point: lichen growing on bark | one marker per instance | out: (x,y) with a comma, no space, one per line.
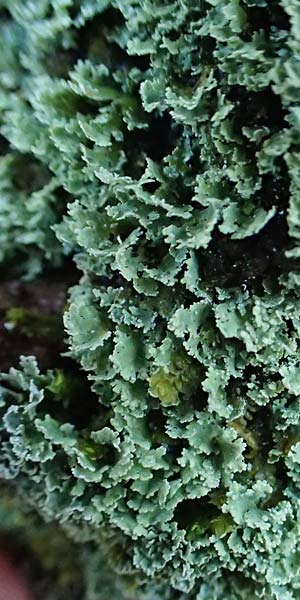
(153,145)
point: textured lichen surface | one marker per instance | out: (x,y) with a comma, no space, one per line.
(157,145)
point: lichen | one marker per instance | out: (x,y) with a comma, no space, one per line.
(156,144)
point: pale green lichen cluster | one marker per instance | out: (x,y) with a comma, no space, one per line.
(158,143)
